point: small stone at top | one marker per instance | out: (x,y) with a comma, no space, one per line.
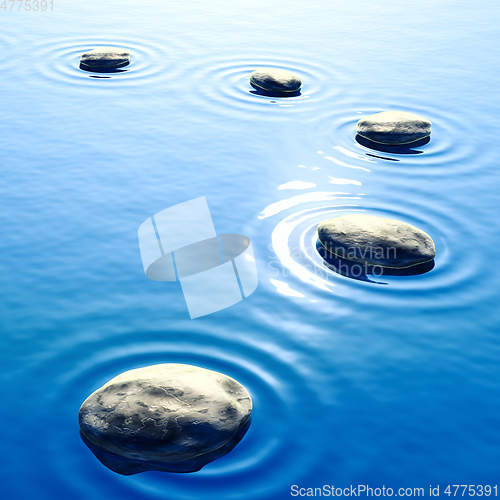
(275,80)
(105,58)
(394,128)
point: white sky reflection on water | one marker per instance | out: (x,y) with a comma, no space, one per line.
(342,164)
(335,180)
(285,289)
(296,185)
(284,249)
(353,155)
(279,206)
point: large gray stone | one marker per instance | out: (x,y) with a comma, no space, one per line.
(105,58)
(394,127)
(275,80)
(376,241)
(167,417)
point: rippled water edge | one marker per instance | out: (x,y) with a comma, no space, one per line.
(274,445)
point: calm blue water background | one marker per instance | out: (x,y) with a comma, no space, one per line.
(395,382)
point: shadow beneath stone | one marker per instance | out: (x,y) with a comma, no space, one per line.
(267,93)
(361,272)
(403,149)
(128,466)
(89,69)
(382,157)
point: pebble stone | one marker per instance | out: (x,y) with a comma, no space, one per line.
(168,417)
(275,80)
(371,240)
(394,128)
(105,58)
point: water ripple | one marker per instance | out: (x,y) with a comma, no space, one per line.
(449,151)
(458,267)
(273,447)
(225,86)
(60,61)
(6,46)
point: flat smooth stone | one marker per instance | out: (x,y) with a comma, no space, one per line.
(168,417)
(371,240)
(105,58)
(394,127)
(275,80)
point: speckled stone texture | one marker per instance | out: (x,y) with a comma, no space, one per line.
(168,417)
(105,58)
(275,80)
(377,241)
(394,128)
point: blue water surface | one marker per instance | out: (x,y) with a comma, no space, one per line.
(393,381)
